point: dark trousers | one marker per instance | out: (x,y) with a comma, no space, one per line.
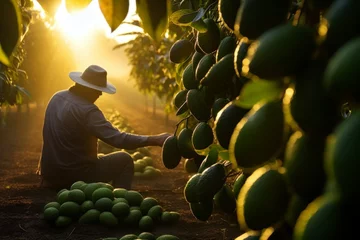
(116,168)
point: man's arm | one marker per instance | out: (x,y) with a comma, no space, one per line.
(104,130)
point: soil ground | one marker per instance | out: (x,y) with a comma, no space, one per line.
(22,198)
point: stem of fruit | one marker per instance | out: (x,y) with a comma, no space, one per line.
(177,124)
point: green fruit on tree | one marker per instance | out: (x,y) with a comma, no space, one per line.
(202,210)
(341,78)
(209,41)
(210,182)
(218,105)
(195,60)
(226,121)
(259,136)
(227,12)
(255,17)
(296,205)
(210,159)
(191,189)
(190,166)
(180,51)
(184,143)
(180,98)
(171,155)
(273,55)
(238,184)
(188,78)
(227,46)
(205,63)
(225,199)
(304,164)
(263,199)
(197,104)
(202,136)
(240,54)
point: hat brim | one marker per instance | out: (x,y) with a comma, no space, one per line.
(76,77)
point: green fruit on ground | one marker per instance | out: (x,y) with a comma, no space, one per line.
(274,53)
(146,223)
(151,173)
(184,143)
(238,184)
(209,40)
(52,204)
(90,188)
(227,46)
(70,209)
(263,126)
(149,161)
(190,166)
(304,164)
(63,221)
(170,153)
(198,106)
(102,193)
(106,185)
(191,189)
(82,187)
(175,217)
(139,167)
(296,205)
(76,195)
(202,210)
(129,237)
(220,74)
(108,219)
(323,115)
(226,121)
(263,199)
(168,237)
(91,216)
(63,197)
(145,151)
(188,78)
(137,155)
(180,98)
(250,235)
(181,50)
(340,24)
(218,105)
(59,192)
(202,136)
(117,200)
(77,185)
(155,212)
(323,218)
(147,236)
(205,63)
(166,217)
(134,198)
(196,59)
(135,208)
(210,159)
(119,192)
(103,204)
(341,78)
(240,53)
(343,155)
(256,17)
(51,214)
(225,199)
(120,209)
(227,12)
(133,218)
(210,182)
(148,203)
(86,206)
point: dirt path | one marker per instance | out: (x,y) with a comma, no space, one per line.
(22,200)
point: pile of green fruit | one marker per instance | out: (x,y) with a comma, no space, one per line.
(101,203)
(144,236)
(143,166)
(273,87)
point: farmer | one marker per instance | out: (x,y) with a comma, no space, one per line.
(72,126)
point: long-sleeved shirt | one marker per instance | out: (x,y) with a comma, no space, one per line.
(72,127)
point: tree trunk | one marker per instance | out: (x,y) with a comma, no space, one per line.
(154,106)
(146,103)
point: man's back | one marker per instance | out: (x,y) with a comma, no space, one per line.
(67,146)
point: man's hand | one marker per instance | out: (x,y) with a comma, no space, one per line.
(158,140)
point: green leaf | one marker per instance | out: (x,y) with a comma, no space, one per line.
(114,11)
(154,16)
(76,5)
(183,17)
(259,90)
(10,29)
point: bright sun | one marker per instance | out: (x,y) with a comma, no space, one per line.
(79,25)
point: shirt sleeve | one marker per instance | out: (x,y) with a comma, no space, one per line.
(100,127)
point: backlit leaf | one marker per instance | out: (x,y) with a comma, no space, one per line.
(114,11)
(154,16)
